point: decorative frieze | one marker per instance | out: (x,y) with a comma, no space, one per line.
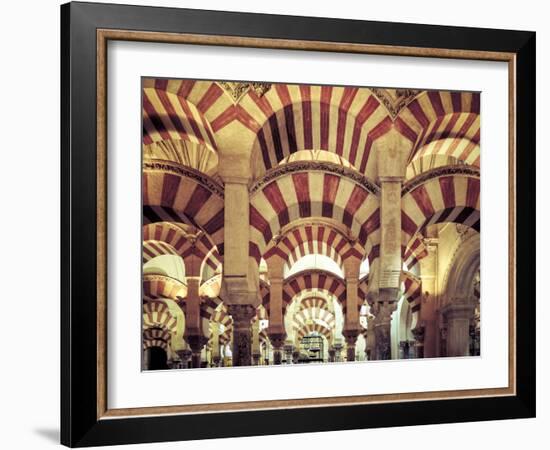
(439,172)
(238,89)
(171,167)
(319,166)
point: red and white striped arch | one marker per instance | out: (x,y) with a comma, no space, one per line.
(439,115)
(315,239)
(162,238)
(311,316)
(413,253)
(309,280)
(442,195)
(411,286)
(314,302)
(173,193)
(162,286)
(156,337)
(153,248)
(148,343)
(342,120)
(314,327)
(298,191)
(157,315)
(212,102)
(450,151)
(168,114)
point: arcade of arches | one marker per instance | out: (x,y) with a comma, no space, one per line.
(290,224)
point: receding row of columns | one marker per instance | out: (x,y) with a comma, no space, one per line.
(456,324)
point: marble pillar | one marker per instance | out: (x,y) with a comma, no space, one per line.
(418,333)
(351,340)
(338,352)
(458,317)
(382,328)
(276,330)
(242,316)
(196,344)
(277,342)
(193,330)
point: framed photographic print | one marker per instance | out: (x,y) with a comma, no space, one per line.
(276,224)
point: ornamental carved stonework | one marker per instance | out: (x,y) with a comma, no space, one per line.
(241,315)
(439,172)
(303,166)
(395,100)
(169,166)
(238,89)
(277,340)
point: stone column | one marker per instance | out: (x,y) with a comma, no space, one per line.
(332,355)
(392,151)
(215,339)
(382,328)
(389,274)
(256,353)
(371,338)
(242,315)
(351,339)
(185,357)
(295,357)
(193,330)
(458,317)
(418,333)
(337,352)
(428,307)
(288,353)
(240,277)
(276,330)
(351,325)
(196,344)
(236,268)
(277,342)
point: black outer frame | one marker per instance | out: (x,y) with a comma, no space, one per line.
(79,423)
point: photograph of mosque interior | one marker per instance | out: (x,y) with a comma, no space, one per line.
(294,224)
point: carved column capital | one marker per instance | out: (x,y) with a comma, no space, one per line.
(350,336)
(277,340)
(458,310)
(196,342)
(242,314)
(383,312)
